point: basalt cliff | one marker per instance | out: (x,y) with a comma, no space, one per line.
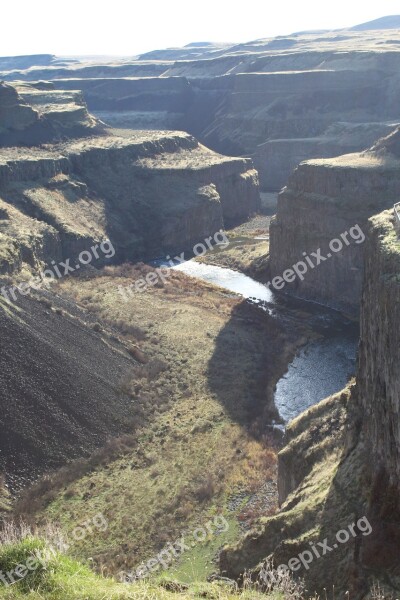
(150,193)
(280,100)
(323,200)
(340,462)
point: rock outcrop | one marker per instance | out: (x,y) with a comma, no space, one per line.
(151,193)
(340,465)
(31,115)
(324,93)
(14,114)
(277,158)
(379,353)
(323,200)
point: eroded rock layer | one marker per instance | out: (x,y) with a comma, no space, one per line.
(33,114)
(323,200)
(151,193)
(280,100)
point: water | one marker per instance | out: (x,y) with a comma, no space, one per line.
(322,367)
(228,279)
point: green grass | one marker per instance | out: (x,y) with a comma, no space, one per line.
(198,563)
(63,578)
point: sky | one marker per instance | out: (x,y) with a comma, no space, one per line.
(120,27)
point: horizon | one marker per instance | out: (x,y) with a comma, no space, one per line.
(85,32)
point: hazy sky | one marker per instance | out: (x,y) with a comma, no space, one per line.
(127,28)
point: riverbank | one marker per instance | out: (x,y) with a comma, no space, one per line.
(327,359)
(248,250)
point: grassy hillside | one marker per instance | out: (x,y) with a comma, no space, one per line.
(58,577)
(202,386)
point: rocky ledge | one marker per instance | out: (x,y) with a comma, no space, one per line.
(32,114)
(151,193)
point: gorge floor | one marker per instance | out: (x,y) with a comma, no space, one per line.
(201,387)
(201,393)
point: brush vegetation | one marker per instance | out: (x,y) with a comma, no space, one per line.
(204,365)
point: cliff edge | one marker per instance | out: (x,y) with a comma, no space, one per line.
(339,468)
(323,201)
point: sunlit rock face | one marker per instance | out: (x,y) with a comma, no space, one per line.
(324,199)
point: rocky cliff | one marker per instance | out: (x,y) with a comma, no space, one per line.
(33,114)
(378,387)
(280,100)
(149,192)
(340,465)
(323,200)
(275,159)
(379,353)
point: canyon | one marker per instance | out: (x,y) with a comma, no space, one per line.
(279,100)
(165,401)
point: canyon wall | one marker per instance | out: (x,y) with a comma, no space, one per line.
(151,193)
(275,159)
(340,463)
(379,353)
(323,199)
(280,100)
(378,387)
(321,112)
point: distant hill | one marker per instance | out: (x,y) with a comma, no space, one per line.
(390,22)
(199,44)
(25,62)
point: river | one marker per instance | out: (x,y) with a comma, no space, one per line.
(322,367)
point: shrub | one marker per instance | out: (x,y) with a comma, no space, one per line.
(137,354)
(206,490)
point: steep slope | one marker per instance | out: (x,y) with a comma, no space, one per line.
(341,463)
(378,384)
(323,200)
(149,192)
(61,386)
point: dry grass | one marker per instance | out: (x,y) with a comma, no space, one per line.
(4,495)
(198,395)
(245,253)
